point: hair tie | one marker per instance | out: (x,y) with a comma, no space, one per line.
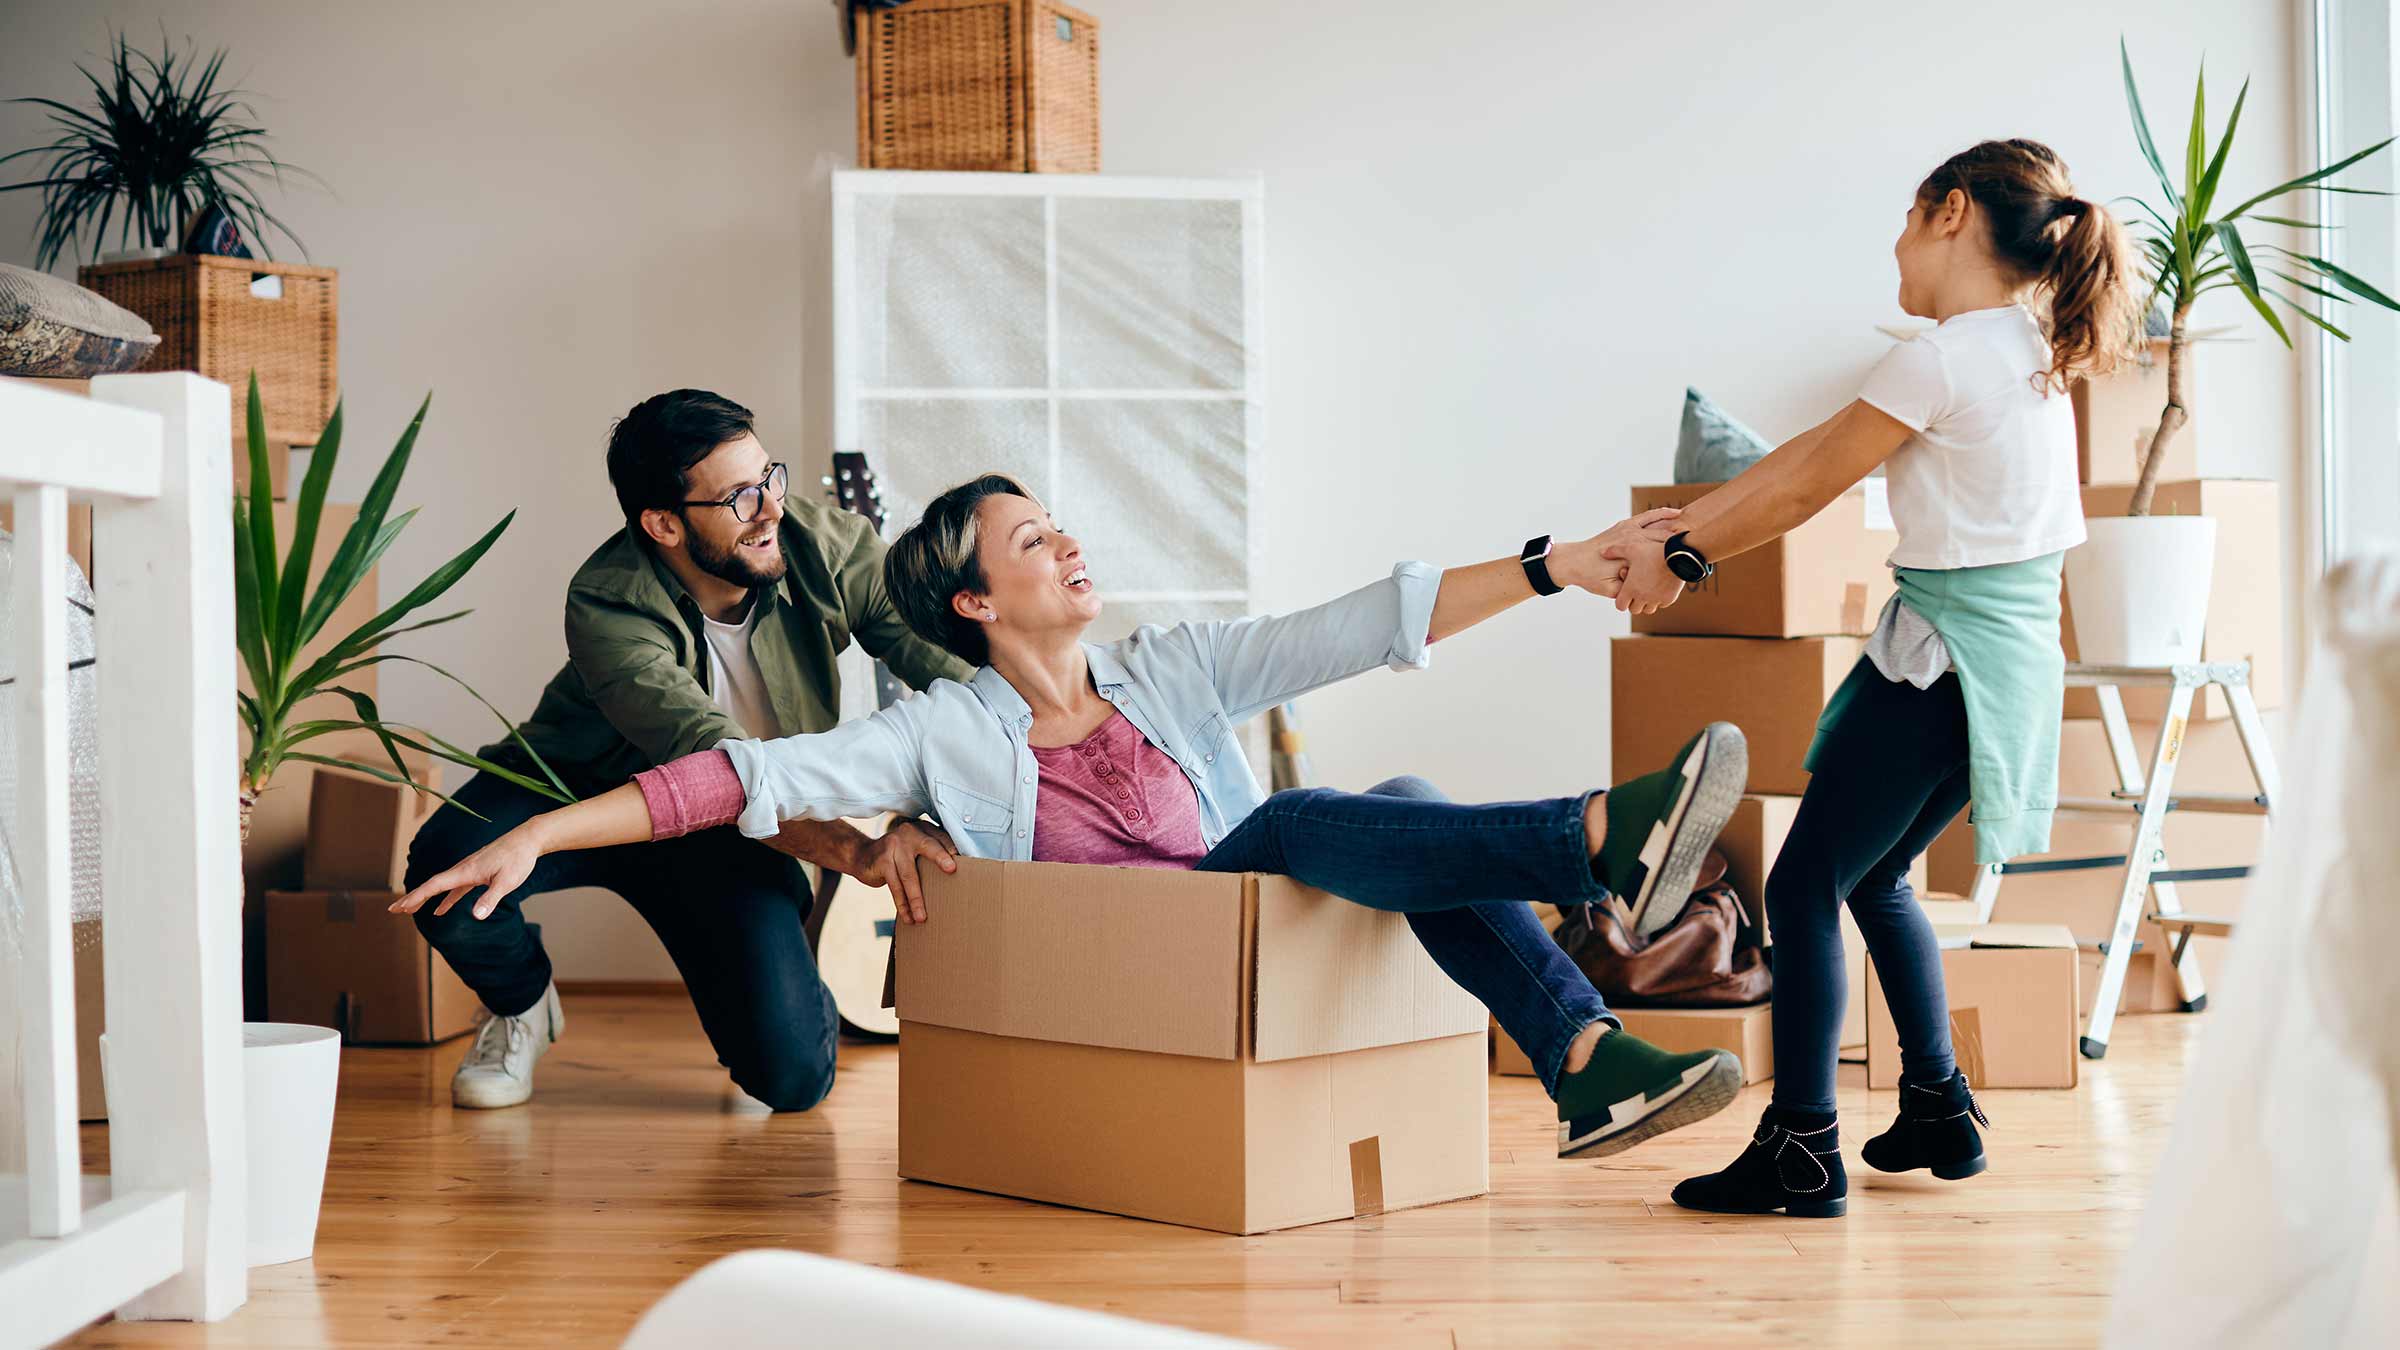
(2068,206)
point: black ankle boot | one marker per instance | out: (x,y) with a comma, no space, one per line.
(1796,1171)
(1936,1129)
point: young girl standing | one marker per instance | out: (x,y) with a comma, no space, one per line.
(1958,695)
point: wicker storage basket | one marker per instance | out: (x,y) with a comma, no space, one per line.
(209,321)
(993,85)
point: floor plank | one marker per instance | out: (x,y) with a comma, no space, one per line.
(638,1164)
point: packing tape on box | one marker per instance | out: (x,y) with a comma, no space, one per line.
(1366,1176)
(1966,1042)
(1854,607)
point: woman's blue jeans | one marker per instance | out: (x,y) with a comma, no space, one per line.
(1462,875)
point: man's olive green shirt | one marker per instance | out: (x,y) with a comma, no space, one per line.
(636,690)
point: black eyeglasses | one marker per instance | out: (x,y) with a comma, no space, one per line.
(746,503)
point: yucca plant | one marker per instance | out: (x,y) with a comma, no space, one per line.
(162,142)
(279,610)
(2190,252)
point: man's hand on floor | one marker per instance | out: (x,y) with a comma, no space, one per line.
(892,862)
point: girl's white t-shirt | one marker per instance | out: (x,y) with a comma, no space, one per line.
(1990,475)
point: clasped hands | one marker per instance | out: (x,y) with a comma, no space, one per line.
(1627,562)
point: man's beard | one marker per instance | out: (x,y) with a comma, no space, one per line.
(729,564)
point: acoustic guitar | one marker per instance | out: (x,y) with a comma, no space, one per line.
(850,926)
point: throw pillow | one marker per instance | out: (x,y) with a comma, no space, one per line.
(1712,446)
(51,326)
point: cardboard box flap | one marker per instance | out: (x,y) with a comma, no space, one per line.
(1333,976)
(1128,958)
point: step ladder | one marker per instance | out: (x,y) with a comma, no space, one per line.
(2147,891)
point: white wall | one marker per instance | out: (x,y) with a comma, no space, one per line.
(1501,241)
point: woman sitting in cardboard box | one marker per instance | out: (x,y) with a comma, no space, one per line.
(1123,754)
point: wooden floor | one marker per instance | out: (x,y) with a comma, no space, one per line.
(637,1164)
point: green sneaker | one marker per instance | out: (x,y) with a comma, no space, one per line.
(1632,1091)
(1661,826)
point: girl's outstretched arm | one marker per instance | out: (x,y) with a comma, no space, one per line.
(1771,497)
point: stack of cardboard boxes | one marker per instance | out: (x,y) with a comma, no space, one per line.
(336,955)
(1762,644)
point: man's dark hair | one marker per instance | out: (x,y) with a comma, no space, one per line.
(934,560)
(651,447)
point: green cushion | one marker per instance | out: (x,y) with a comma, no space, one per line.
(1712,446)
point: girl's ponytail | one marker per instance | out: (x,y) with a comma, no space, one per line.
(2072,249)
(2090,281)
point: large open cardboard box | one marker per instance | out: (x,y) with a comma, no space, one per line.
(2013,1002)
(1825,578)
(1662,690)
(1228,1051)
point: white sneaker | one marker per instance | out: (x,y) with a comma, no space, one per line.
(498,1069)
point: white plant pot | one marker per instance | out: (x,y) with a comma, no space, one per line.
(2139,589)
(289,1074)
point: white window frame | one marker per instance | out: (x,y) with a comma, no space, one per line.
(2351,391)
(850,394)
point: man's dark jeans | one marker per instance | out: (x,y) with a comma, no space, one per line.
(728,909)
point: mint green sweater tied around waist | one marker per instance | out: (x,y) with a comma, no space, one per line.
(2000,626)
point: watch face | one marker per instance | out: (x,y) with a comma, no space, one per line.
(1685,566)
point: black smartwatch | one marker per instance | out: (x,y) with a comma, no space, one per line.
(1687,563)
(1536,559)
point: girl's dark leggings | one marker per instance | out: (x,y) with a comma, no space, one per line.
(1891,775)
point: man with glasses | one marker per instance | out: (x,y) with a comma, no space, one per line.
(714,615)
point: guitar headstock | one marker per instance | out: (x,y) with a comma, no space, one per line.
(853,488)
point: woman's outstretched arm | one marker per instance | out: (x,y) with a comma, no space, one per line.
(1472,594)
(618,816)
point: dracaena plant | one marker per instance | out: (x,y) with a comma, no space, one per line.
(280,610)
(2191,248)
(160,142)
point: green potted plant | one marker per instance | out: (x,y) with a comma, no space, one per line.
(2141,583)
(160,143)
(280,610)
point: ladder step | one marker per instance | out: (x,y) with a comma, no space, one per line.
(2220,803)
(2194,923)
(2018,869)
(2104,806)
(2172,874)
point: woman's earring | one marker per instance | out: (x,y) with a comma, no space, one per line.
(988,616)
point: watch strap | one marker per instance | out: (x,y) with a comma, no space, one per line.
(1536,560)
(1686,562)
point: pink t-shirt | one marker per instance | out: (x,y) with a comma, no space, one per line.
(1116,800)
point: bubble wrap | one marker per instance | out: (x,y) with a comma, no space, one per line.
(83,749)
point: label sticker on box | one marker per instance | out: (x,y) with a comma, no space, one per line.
(1879,503)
